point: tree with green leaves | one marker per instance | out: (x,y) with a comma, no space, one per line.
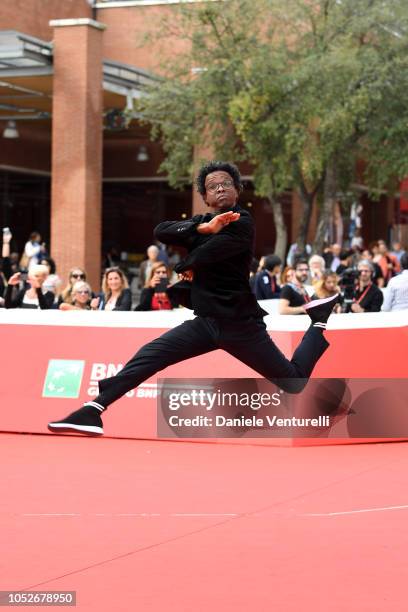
(300,89)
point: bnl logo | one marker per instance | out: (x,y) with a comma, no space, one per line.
(63,378)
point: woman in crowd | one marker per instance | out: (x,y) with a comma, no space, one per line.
(326,287)
(75,274)
(154,295)
(287,276)
(30,295)
(388,263)
(115,293)
(81,295)
(53,282)
(316,269)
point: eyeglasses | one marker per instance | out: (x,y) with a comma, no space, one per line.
(78,276)
(85,291)
(213,187)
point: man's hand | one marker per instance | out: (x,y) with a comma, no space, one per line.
(35,282)
(188,275)
(154,282)
(15,279)
(357,308)
(218,222)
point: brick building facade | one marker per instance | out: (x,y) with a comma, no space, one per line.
(84,187)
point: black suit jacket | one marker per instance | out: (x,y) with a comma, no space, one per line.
(220,263)
(124,301)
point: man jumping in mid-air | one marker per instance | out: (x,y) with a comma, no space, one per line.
(220,245)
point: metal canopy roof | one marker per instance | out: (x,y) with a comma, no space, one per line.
(22,55)
(26,56)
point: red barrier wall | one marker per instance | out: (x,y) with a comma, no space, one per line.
(27,350)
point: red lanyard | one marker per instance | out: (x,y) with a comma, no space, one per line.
(301,291)
(305,294)
(364,293)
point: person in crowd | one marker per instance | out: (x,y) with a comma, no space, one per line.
(53,282)
(396,294)
(13,264)
(173,255)
(5,268)
(294,296)
(316,268)
(34,250)
(397,250)
(163,255)
(345,261)
(112,257)
(326,287)
(367,296)
(75,274)
(287,276)
(296,253)
(377,274)
(30,295)
(81,295)
(266,286)
(331,257)
(154,295)
(357,242)
(388,263)
(253,270)
(115,293)
(3,285)
(146,265)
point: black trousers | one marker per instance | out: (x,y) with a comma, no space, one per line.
(247,340)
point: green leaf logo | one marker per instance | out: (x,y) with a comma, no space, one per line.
(63,378)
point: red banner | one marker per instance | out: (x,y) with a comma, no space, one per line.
(50,370)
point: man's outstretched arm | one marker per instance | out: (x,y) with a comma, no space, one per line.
(177,232)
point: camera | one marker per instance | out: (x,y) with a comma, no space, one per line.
(348,280)
(162,286)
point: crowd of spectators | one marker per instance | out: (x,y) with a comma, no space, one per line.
(31,281)
(367,279)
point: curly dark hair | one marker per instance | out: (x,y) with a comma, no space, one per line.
(51,263)
(216,166)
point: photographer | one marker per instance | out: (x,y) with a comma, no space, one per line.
(367,296)
(154,296)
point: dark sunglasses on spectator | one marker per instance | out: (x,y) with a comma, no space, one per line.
(77,275)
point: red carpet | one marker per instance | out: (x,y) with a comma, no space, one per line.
(137,525)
